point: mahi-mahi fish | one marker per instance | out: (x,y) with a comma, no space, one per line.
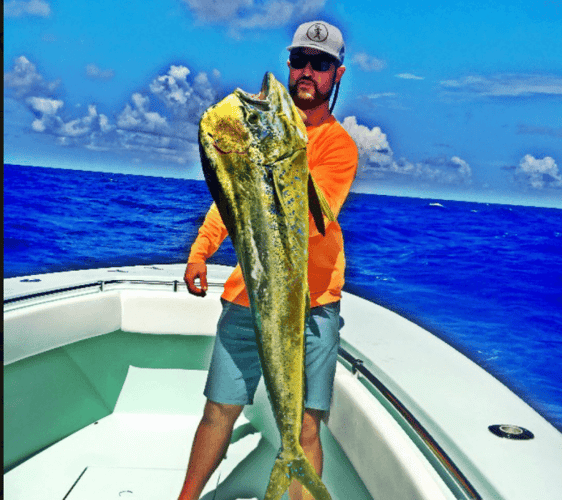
(253,152)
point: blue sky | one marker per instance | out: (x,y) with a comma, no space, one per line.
(450,100)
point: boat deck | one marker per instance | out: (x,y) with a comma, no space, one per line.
(141,450)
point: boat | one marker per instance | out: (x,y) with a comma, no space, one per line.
(103,378)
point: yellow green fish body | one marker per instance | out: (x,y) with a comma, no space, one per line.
(253,151)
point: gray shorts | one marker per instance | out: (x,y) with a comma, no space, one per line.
(235,369)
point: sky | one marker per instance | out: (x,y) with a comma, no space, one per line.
(447,100)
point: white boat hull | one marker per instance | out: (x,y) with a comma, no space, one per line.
(421,433)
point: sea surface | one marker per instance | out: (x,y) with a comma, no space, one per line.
(486,278)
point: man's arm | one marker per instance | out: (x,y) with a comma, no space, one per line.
(210,236)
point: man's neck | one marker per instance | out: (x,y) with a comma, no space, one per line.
(317,116)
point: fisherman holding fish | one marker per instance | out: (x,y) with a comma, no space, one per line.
(315,70)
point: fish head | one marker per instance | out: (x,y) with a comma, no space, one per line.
(266,126)
(274,121)
(246,137)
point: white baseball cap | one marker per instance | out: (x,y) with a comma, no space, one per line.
(321,36)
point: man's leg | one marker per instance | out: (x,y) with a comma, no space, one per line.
(310,442)
(234,373)
(209,446)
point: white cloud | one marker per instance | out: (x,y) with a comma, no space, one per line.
(376,160)
(105,126)
(367,62)
(381,95)
(172,88)
(170,138)
(80,126)
(20,8)
(168,135)
(371,143)
(94,72)
(463,169)
(539,173)
(46,110)
(506,85)
(186,101)
(178,72)
(247,14)
(139,118)
(39,125)
(25,80)
(44,105)
(409,76)
(48,121)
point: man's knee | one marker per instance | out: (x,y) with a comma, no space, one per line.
(220,415)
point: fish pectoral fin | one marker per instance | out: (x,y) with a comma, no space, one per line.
(284,471)
(318,205)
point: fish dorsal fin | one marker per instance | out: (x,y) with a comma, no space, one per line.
(318,206)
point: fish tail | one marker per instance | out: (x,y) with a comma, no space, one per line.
(285,470)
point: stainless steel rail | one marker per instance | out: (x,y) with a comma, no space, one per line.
(454,473)
(100,286)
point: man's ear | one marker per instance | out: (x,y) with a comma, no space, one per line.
(339,73)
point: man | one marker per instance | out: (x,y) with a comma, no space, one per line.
(315,68)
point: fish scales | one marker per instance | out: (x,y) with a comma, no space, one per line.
(253,152)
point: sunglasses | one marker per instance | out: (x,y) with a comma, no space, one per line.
(318,62)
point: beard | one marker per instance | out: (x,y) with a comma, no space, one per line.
(308,97)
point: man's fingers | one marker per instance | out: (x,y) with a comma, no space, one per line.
(203,281)
(194,272)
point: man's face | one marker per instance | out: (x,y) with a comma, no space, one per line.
(311,87)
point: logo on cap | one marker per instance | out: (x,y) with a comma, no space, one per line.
(317,32)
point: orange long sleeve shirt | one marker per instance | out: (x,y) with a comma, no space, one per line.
(332,160)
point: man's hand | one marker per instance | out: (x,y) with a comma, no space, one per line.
(196,270)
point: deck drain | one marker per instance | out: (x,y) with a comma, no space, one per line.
(511,432)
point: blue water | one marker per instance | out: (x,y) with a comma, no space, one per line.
(485,278)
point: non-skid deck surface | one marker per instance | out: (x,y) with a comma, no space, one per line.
(141,450)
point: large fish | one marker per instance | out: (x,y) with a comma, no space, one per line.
(253,151)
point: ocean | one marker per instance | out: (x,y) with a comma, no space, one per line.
(486,278)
